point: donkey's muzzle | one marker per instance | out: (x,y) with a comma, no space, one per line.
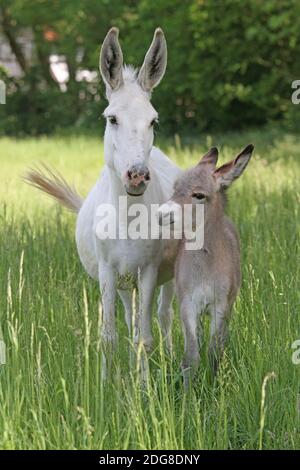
(136,180)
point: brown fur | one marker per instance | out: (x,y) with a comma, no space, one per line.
(208,278)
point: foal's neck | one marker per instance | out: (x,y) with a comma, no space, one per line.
(214,221)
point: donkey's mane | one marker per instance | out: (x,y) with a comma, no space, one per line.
(129,74)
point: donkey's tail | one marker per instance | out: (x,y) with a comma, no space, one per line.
(55,185)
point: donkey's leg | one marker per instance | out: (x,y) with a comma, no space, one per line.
(218,334)
(131,317)
(108,292)
(148,279)
(165,312)
(189,318)
(126,297)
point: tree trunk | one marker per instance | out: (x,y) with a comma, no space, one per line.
(9,33)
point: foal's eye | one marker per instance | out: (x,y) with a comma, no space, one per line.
(113,120)
(199,196)
(153,122)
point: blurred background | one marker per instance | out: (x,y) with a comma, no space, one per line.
(231,63)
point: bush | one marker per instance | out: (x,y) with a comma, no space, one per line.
(47,110)
(230,63)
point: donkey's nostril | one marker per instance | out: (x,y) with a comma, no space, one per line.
(138,174)
(133,174)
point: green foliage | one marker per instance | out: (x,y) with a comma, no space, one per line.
(230,63)
(248,56)
(45,111)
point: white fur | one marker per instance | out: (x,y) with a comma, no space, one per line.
(119,264)
(105,260)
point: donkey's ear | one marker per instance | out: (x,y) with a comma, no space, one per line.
(211,157)
(227,173)
(154,66)
(111,60)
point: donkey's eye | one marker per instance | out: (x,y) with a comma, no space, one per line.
(113,120)
(199,196)
(153,122)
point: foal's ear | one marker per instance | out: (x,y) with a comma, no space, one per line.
(111,61)
(211,157)
(230,171)
(154,66)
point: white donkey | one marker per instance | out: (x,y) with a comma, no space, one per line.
(134,168)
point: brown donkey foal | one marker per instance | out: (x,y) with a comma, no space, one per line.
(207,278)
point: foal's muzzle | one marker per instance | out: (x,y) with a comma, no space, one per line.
(136,179)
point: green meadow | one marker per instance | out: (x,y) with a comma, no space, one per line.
(51,392)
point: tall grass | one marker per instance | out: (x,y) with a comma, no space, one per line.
(51,393)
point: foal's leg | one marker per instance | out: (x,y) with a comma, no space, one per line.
(218,334)
(189,318)
(108,292)
(165,312)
